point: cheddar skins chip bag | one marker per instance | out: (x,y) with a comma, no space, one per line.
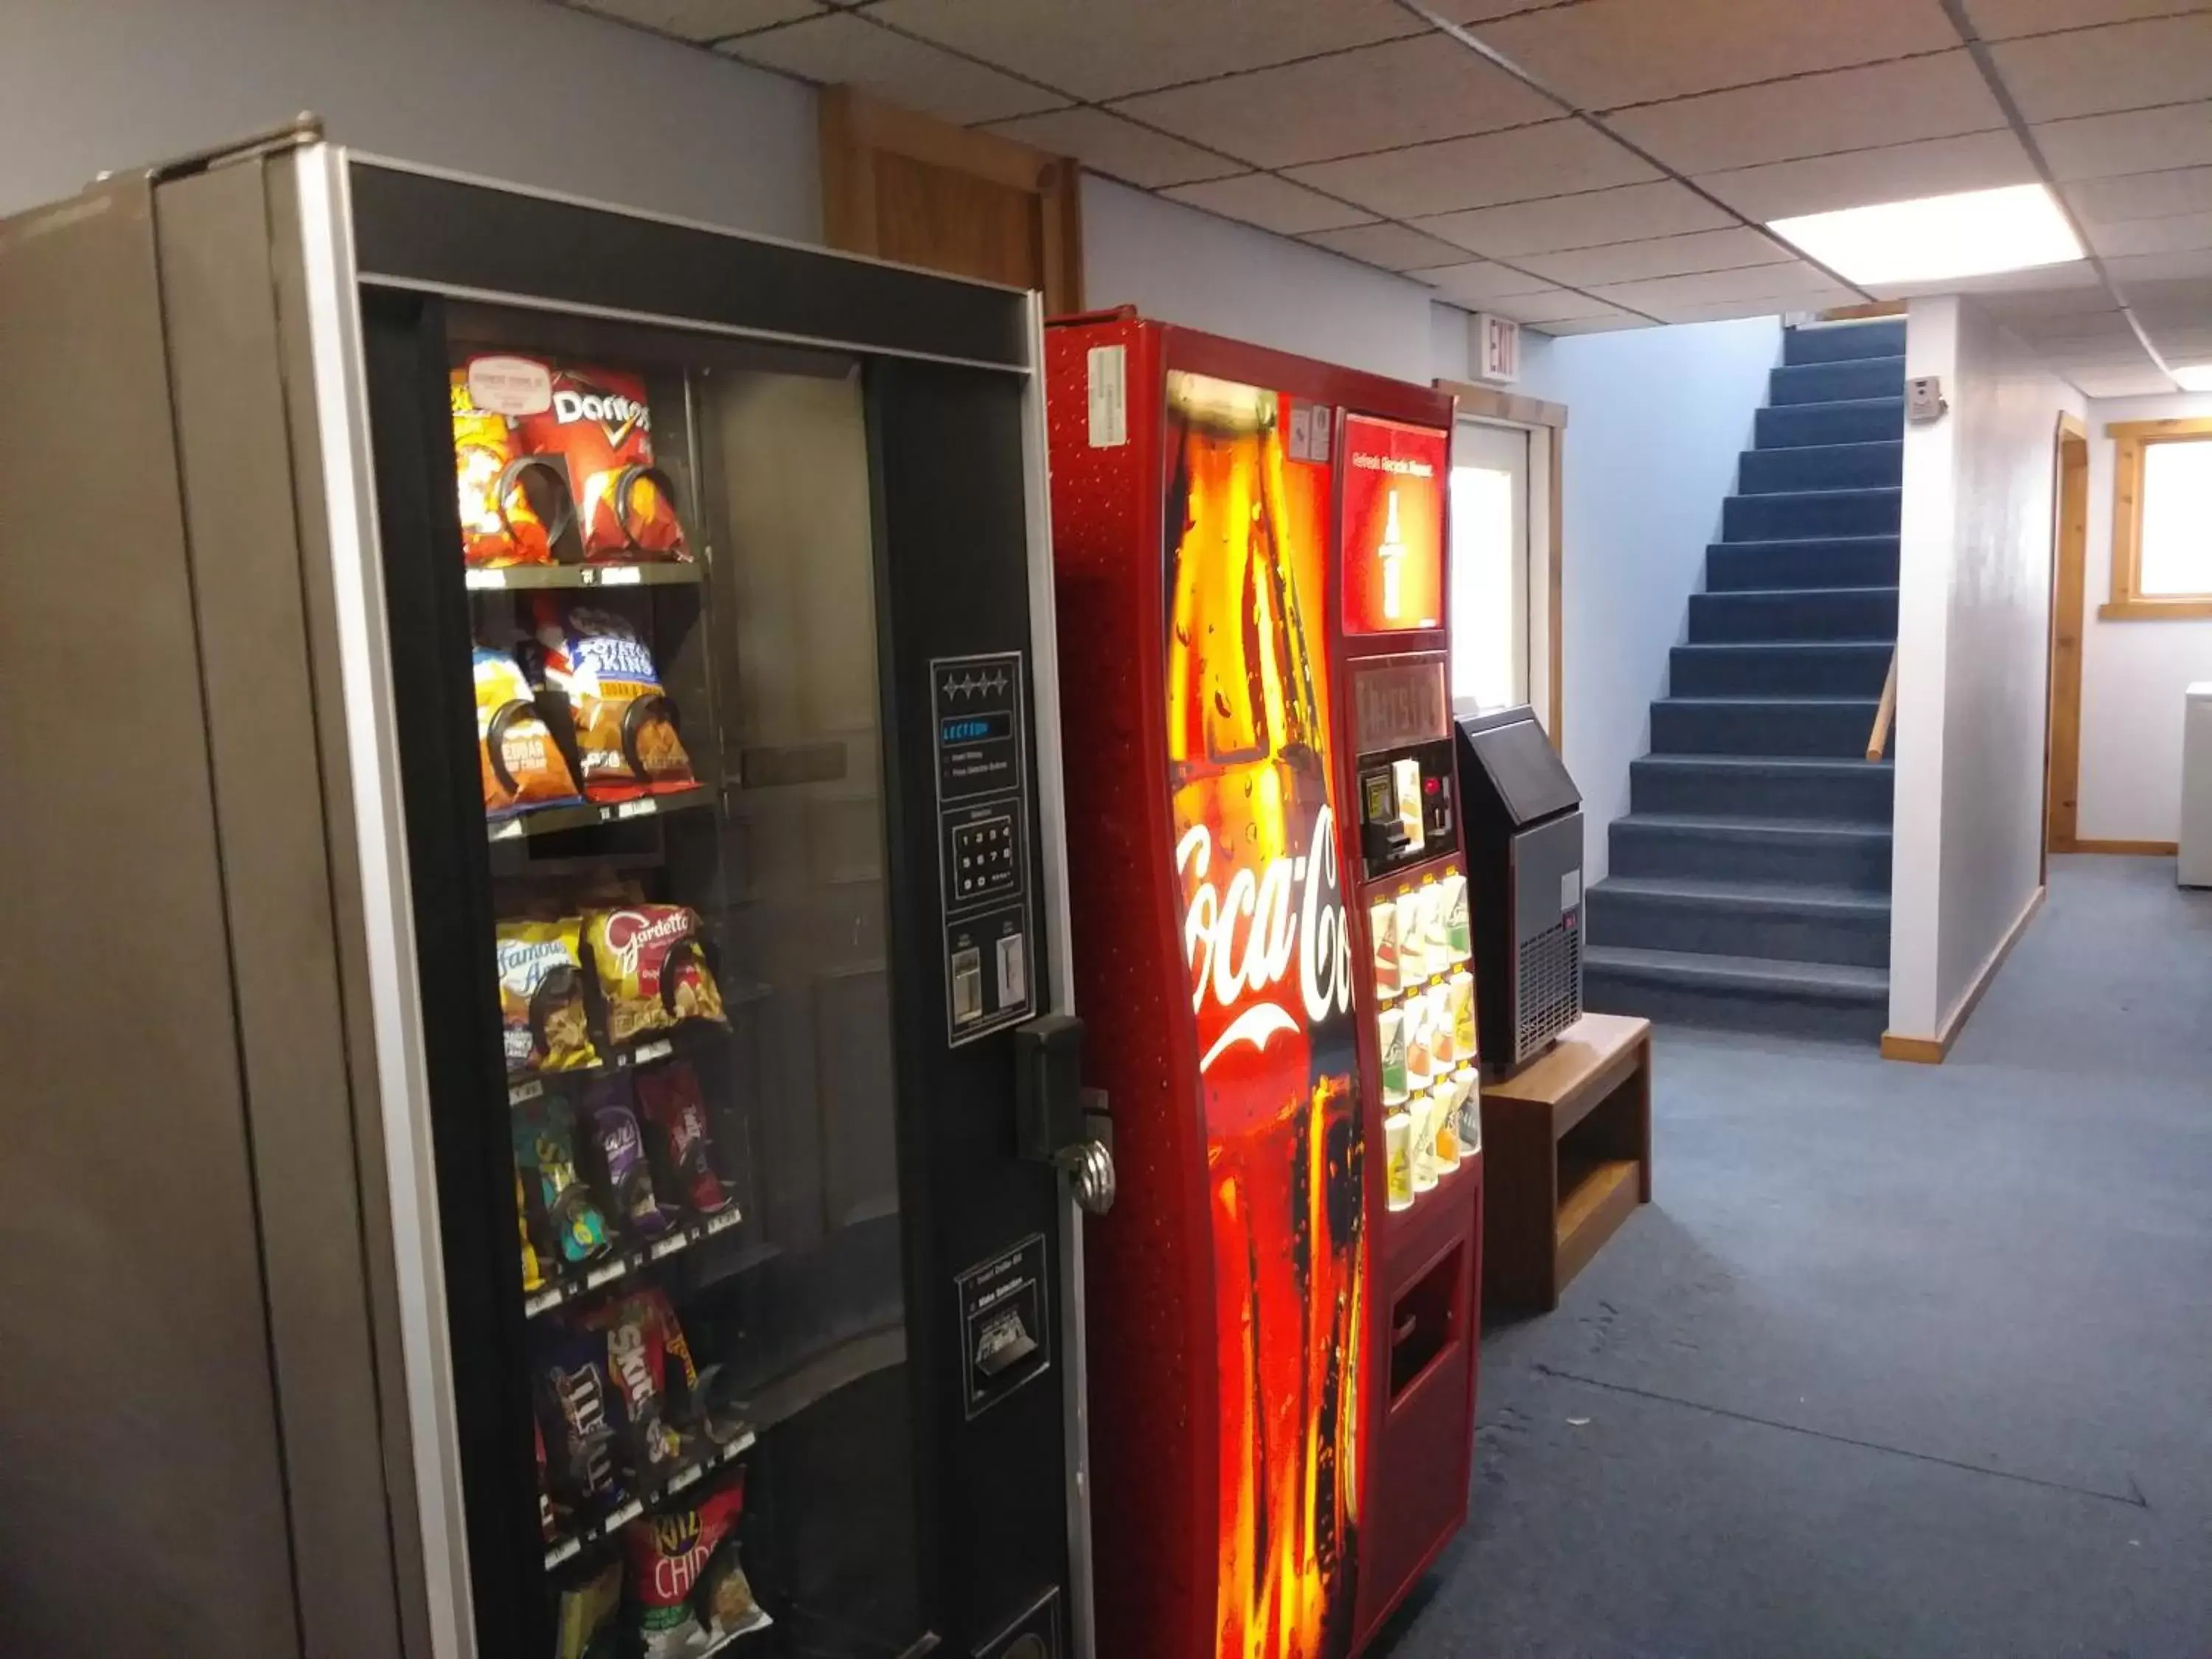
(651,968)
(626,735)
(544,1023)
(523,766)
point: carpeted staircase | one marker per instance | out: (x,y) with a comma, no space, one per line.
(1750,880)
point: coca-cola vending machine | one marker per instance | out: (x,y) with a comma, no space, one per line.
(1270,897)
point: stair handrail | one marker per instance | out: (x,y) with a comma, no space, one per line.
(1885,712)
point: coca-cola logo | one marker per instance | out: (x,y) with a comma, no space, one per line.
(1242,941)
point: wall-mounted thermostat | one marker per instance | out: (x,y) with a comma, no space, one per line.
(1924,398)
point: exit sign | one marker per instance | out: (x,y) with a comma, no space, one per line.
(1496,348)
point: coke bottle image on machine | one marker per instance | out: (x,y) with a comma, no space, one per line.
(1270,986)
(1281,1365)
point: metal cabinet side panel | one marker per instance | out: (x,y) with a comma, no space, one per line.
(227,380)
(136,1400)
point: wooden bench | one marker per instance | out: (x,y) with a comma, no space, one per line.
(1566,1146)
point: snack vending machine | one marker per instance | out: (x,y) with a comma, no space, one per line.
(576,746)
(1267,876)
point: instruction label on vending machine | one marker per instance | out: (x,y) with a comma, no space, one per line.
(1004,1340)
(980,707)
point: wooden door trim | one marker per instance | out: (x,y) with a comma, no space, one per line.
(855,128)
(2069,571)
(1485,403)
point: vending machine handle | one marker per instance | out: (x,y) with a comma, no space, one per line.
(1056,1120)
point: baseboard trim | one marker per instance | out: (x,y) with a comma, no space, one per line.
(1932,1051)
(2154,849)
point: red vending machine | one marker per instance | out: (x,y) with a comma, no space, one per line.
(1270,903)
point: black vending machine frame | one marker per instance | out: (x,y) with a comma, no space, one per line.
(946,368)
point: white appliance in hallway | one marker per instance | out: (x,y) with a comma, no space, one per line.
(1489,565)
(2194,867)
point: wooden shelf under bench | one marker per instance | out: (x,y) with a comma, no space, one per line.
(1566,1143)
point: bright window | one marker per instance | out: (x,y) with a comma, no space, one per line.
(2161,519)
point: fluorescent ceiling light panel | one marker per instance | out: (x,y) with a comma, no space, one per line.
(1937,237)
(2195,377)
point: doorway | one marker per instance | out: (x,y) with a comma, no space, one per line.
(1489,609)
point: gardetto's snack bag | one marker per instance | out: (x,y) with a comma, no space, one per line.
(653,969)
(601,426)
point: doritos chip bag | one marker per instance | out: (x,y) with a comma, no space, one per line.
(544,1025)
(651,968)
(600,424)
(626,736)
(515,505)
(523,766)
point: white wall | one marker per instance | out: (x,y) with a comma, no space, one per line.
(1974,630)
(2132,672)
(1180,265)
(511,89)
(1655,419)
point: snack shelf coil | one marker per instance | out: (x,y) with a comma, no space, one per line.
(516,578)
(622,1265)
(573,1543)
(547,820)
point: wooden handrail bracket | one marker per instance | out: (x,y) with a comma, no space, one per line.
(1885,713)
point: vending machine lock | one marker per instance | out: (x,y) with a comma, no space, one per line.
(1048,1086)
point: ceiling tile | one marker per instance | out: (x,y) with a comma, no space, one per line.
(842,49)
(1272,203)
(701,20)
(2128,66)
(2130,269)
(1555,159)
(1379,97)
(1392,247)
(1933,97)
(2143,195)
(2140,141)
(1612,324)
(1480,282)
(1606,53)
(2000,20)
(1589,220)
(2183,300)
(1559,306)
(1723,310)
(1663,294)
(1895,172)
(1120,149)
(2172,234)
(1663,256)
(1101,51)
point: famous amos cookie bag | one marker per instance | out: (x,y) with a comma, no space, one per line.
(521,762)
(517,506)
(653,969)
(601,425)
(626,738)
(545,1026)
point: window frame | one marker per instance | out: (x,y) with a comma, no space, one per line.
(2129,603)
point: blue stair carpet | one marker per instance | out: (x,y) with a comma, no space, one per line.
(1750,880)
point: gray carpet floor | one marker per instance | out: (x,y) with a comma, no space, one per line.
(1901,1360)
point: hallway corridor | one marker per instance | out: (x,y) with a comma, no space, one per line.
(1901,1360)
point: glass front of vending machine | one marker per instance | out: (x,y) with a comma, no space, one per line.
(707,571)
